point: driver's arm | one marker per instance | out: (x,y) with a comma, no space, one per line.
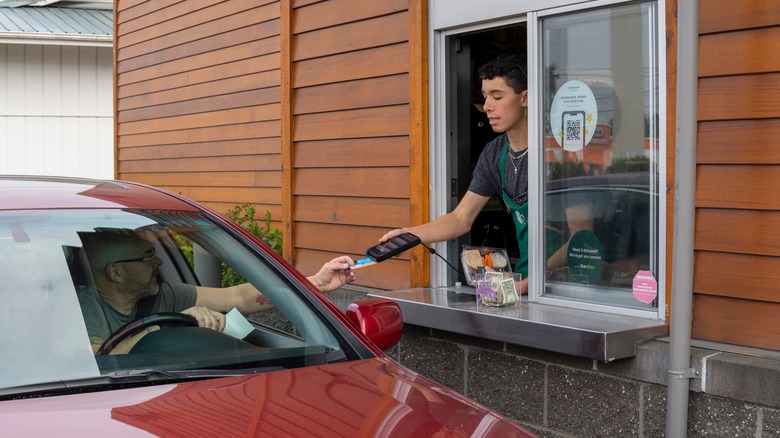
(243,297)
(123,347)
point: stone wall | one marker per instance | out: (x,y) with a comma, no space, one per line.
(735,395)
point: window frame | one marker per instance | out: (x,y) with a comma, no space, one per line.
(440,167)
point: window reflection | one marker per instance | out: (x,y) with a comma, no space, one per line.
(600,153)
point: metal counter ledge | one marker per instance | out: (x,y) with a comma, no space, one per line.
(581,333)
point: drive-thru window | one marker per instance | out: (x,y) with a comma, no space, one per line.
(596,163)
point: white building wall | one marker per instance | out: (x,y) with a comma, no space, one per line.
(56,110)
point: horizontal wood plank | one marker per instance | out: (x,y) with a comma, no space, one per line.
(352,240)
(301,3)
(362,93)
(247,147)
(206,164)
(196,26)
(334,12)
(748,277)
(739,97)
(358,152)
(738,186)
(748,52)
(227,101)
(377,182)
(235,36)
(185,23)
(381,61)
(365,34)
(384,214)
(128,10)
(726,15)
(389,121)
(266,66)
(738,231)
(215,118)
(223,207)
(269,129)
(240,84)
(256,48)
(742,141)
(258,196)
(213,178)
(391,274)
(739,322)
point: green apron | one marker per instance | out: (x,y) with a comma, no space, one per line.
(519,215)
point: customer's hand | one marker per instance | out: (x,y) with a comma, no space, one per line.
(334,274)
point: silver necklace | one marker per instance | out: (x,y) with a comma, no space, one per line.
(512,158)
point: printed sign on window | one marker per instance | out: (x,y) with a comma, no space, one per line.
(573,115)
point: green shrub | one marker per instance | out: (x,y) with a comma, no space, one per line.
(244,216)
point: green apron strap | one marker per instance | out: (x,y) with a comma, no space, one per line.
(519,215)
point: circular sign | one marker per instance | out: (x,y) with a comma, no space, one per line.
(573,115)
(586,257)
(645,287)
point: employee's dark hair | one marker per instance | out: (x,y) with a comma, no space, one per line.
(512,68)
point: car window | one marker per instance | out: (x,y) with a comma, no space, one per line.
(48,277)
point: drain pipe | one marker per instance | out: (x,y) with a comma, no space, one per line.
(680,371)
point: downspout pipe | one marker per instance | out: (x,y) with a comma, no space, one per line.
(680,371)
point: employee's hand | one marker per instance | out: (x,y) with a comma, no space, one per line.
(522,286)
(206,317)
(390,234)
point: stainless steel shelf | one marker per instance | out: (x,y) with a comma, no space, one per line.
(581,333)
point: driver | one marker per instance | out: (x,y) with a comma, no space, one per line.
(124,268)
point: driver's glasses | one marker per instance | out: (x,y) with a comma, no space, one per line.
(146,258)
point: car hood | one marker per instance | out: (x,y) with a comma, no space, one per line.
(373,397)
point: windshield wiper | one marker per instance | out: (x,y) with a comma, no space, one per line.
(123,377)
(150,374)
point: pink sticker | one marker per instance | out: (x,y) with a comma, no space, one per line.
(645,287)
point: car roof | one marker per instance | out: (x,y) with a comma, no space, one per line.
(45,192)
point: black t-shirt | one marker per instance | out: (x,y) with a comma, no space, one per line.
(486,180)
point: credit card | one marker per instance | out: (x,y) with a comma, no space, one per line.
(362,263)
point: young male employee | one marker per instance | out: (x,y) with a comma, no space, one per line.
(502,168)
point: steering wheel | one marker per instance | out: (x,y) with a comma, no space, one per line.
(163,319)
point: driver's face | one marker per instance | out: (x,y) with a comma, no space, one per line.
(141,268)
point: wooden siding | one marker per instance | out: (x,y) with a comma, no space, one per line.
(350,132)
(301,107)
(198,99)
(737,239)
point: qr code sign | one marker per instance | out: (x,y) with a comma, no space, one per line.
(573,129)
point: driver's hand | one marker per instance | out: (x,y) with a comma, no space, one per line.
(207,318)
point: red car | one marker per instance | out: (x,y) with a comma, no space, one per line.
(300,367)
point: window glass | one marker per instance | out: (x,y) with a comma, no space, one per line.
(52,279)
(600,158)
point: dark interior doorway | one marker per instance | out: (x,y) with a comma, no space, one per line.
(470,131)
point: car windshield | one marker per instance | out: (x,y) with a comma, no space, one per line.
(52,298)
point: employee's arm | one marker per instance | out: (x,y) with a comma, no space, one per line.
(454,224)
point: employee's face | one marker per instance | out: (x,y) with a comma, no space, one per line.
(503,106)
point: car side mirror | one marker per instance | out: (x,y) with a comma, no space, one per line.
(379,319)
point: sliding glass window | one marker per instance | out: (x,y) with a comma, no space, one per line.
(601,160)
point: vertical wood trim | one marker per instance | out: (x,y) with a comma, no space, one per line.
(671,129)
(114,88)
(418,133)
(285,39)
